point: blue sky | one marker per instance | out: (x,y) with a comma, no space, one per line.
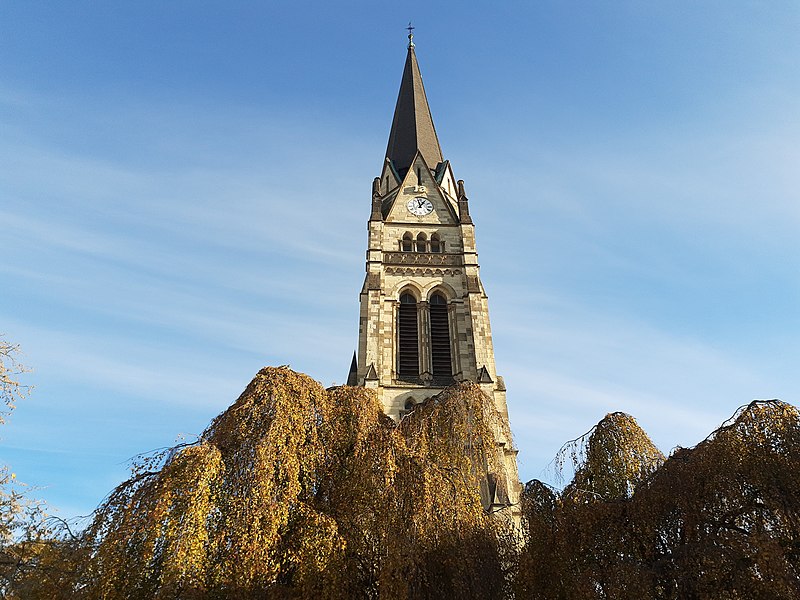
(179,180)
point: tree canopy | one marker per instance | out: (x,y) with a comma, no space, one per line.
(720,520)
(296,491)
(23,526)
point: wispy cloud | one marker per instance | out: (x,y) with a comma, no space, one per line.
(565,370)
(169,228)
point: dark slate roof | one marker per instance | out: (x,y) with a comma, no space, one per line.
(412,126)
(483,375)
(386,204)
(352,376)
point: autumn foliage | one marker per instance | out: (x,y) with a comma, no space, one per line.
(717,521)
(300,492)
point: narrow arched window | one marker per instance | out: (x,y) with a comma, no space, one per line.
(408,242)
(422,242)
(440,337)
(436,244)
(407,337)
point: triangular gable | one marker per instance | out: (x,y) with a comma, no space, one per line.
(420,182)
(447,182)
(371,375)
(483,375)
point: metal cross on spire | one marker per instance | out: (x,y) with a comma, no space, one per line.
(411,29)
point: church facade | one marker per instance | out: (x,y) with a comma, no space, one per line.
(424,314)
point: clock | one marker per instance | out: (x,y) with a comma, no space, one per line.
(419,206)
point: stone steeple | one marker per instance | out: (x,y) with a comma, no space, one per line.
(424,312)
(424,318)
(412,126)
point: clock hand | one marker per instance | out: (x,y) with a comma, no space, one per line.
(419,202)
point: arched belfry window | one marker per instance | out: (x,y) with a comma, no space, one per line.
(408,242)
(407,337)
(436,243)
(422,242)
(440,337)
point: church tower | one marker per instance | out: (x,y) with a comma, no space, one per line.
(424,321)
(424,312)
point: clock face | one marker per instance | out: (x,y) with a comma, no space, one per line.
(420,206)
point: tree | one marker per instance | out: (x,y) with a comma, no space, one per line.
(577,543)
(720,520)
(296,492)
(611,459)
(11,389)
(723,518)
(22,519)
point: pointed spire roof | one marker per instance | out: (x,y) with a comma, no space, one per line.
(352,376)
(412,126)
